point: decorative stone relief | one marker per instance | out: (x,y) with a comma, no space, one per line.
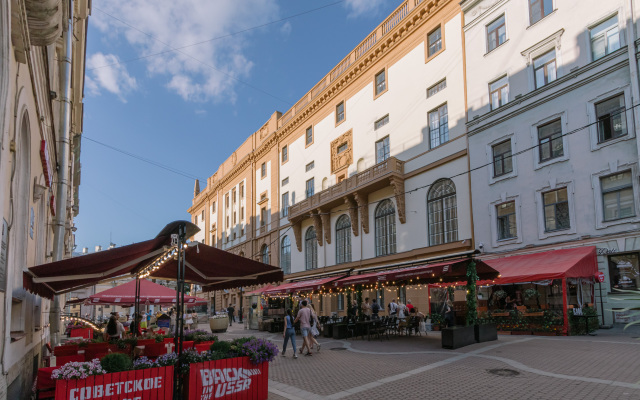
(326,224)
(353,214)
(398,190)
(297,233)
(317,223)
(363,205)
(341,160)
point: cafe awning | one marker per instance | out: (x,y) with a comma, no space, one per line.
(150,292)
(449,271)
(579,262)
(301,286)
(207,266)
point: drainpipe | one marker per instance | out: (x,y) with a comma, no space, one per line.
(633,69)
(64,149)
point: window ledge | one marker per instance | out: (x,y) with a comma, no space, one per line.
(611,222)
(496,179)
(17,335)
(540,165)
(496,48)
(598,146)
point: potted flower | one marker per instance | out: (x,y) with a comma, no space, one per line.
(219,323)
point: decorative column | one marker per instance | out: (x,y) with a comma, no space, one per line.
(317,224)
(398,190)
(297,232)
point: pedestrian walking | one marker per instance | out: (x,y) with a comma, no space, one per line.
(289,333)
(304,316)
(188,320)
(230,311)
(314,331)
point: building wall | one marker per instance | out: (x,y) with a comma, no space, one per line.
(581,82)
(30,70)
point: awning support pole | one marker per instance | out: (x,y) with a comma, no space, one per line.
(601,303)
(565,307)
(179,334)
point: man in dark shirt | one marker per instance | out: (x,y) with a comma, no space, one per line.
(230,311)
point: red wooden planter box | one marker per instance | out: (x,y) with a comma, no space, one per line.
(86,333)
(147,384)
(232,378)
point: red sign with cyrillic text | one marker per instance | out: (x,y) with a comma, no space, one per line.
(151,384)
(233,378)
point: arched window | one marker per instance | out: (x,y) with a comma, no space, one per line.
(310,249)
(443,214)
(343,239)
(285,255)
(385,228)
(265,254)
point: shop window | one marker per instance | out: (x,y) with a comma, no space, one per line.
(624,273)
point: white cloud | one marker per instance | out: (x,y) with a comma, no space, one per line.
(359,8)
(106,74)
(197,73)
(286,28)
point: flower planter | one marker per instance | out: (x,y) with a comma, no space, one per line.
(521,332)
(327,330)
(458,336)
(504,332)
(231,378)
(542,333)
(152,383)
(218,325)
(485,332)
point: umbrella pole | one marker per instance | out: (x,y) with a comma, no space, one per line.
(136,307)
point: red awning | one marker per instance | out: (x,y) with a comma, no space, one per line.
(149,292)
(205,265)
(450,271)
(301,286)
(258,292)
(579,262)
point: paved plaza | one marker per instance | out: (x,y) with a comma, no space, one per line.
(606,366)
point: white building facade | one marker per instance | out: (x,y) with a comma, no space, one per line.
(553,131)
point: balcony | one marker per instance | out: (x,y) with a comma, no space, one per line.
(353,192)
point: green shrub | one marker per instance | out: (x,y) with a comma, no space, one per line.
(222,347)
(116,362)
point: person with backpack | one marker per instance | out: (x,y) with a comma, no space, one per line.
(375,309)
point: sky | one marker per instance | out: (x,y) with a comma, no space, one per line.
(181,84)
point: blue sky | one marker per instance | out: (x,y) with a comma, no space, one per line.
(190,109)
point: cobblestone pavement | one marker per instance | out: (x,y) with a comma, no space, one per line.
(606,366)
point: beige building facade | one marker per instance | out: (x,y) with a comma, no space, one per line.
(366,170)
(33,55)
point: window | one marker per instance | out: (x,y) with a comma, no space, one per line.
(309,166)
(263,196)
(227,222)
(285,181)
(382,150)
(310,187)
(443,214)
(264,254)
(502,162)
(496,33)
(213,207)
(285,255)
(605,38)
(263,170)
(235,218)
(233,196)
(556,210)
(439,126)
(241,190)
(617,196)
(624,272)
(381,122)
(309,136)
(285,204)
(437,88)
(550,141)
(285,154)
(435,42)
(539,9)
(499,92)
(263,216)
(506,213)
(343,147)
(544,68)
(385,223)
(340,112)
(310,249)
(341,302)
(226,200)
(612,119)
(202,216)
(195,221)
(241,213)
(381,82)
(343,239)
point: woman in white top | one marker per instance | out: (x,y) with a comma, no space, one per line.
(188,320)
